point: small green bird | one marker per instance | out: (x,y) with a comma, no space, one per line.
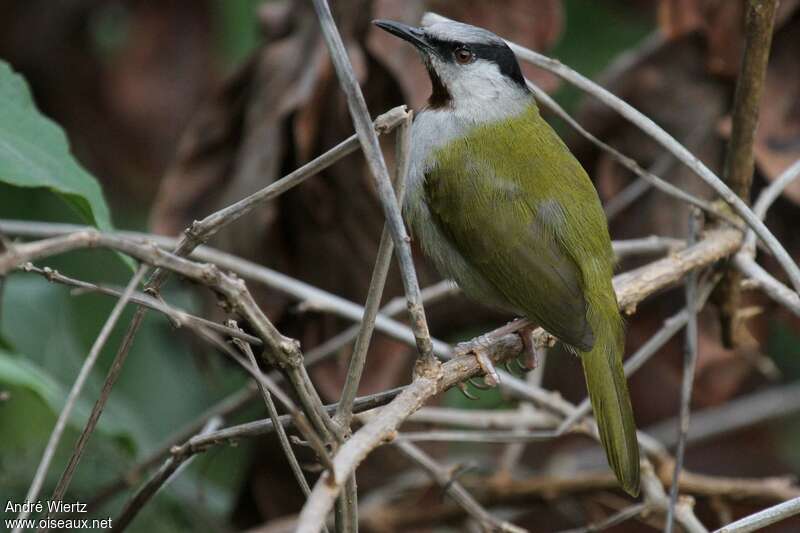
(500,205)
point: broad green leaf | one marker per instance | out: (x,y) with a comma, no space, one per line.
(19,372)
(34,152)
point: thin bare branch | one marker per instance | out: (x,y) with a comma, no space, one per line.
(650,178)
(739,160)
(663,166)
(379,273)
(773,288)
(200,231)
(374,157)
(763,518)
(655,496)
(74,393)
(689,366)
(768,196)
(444,478)
(735,415)
(617,518)
(173,466)
(227,406)
(178,317)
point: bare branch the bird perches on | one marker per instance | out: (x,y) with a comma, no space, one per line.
(631,287)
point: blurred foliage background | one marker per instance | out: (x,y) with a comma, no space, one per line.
(182,106)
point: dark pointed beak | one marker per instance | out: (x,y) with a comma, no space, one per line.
(415,36)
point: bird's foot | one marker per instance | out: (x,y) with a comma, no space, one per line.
(480,348)
(528,359)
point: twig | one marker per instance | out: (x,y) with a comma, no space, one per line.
(444,478)
(222,409)
(667,141)
(689,366)
(768,196)
(739,160)
(763,518)
(736,414)
(168,470)
(273,415)
(744,260)
(739,163)
(178,317)
(773,288)
(649,177)
(655,496)
(617,518)
(379,273)
(200,231)
(283,439)
(497,437)
(74,393)
(654,244)
(663,165)
(430,295)
(347,510)
(372,153)
(484,419)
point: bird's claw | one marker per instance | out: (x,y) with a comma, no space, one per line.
(465,391)
(478,385)
(479,347)
(528,361)
(490,375)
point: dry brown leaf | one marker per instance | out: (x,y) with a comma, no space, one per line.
(720,22)
(777,142)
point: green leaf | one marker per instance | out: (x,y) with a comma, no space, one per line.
(34,152)
(19,372)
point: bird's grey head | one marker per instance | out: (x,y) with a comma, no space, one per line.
(467,65)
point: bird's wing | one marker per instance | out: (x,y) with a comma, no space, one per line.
(514,228)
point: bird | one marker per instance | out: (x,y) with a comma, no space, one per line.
(499,204)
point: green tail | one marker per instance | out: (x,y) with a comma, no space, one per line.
(611,402)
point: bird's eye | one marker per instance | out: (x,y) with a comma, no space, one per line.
(463,55)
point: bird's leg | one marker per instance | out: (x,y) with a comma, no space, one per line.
(528,359)
(480,348)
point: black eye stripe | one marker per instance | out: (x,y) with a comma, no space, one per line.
(498,53)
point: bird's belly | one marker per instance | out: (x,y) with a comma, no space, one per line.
(447,260)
